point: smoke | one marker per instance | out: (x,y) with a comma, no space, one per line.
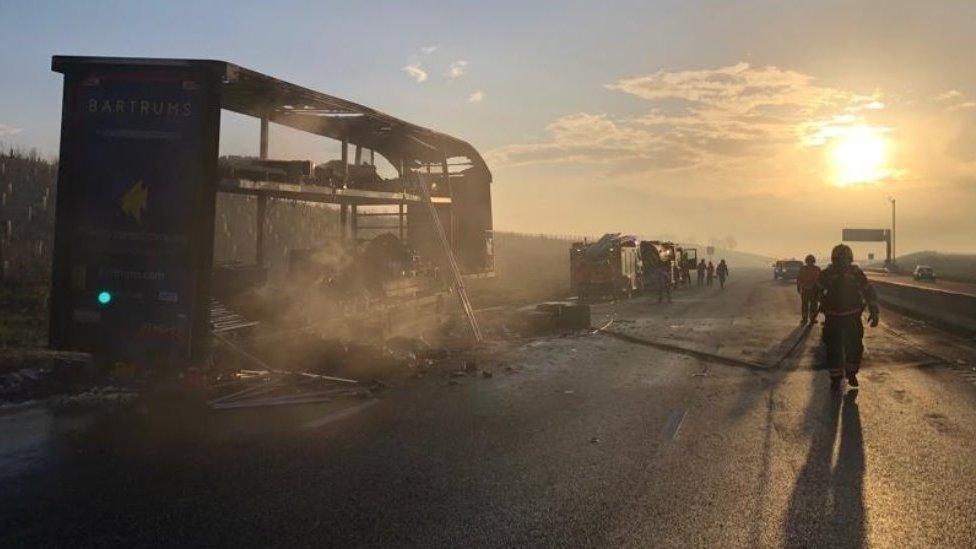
(727,242)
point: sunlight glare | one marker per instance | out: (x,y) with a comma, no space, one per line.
(858,156)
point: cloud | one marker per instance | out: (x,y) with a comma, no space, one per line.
(947,95)
(738,88)
(8,130)
(596,139)
(748,127)
(427,50)
(476,97)
(415,71)
(858,103)
(742,111)
(954,100)
(814,133)
(963,105)
(457,69)
(703,116)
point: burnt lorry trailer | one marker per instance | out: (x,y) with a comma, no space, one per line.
(138,179)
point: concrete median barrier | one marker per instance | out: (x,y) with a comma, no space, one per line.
(955,310)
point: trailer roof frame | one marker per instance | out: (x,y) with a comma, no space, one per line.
(252,93)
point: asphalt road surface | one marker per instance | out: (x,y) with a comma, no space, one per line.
(707,422)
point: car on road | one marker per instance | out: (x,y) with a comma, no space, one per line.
(786,269)
(923,272)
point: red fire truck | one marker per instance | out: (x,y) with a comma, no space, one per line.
(609,267)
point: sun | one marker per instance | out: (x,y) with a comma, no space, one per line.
(859,155)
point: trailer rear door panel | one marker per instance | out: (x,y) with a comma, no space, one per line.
(134,212)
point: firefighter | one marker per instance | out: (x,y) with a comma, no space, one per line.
(723,272)
(710,270)
(663,283)
(701,273)
(843,292)
(806,286)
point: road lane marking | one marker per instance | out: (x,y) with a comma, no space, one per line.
(671,427)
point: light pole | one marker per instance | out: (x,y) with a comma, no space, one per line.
(893,253)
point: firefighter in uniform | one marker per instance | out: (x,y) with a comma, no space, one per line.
(844,291)
(723,272)
(806,286)
(663,282)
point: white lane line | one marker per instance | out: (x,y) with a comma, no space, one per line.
(336,416)
(671,427)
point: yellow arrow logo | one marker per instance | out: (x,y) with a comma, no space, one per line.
(135,199)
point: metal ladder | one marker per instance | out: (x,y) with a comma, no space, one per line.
(451,260)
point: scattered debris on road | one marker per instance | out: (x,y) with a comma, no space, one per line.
(694,353)
(263,388)
(27,374)
(103,399)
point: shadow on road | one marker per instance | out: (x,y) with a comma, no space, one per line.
(827,505)
(782,357)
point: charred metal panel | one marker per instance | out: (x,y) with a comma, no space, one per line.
(421,234)
(135,208)
(471,198)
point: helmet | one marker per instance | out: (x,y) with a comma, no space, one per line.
(842,255)
(810,260)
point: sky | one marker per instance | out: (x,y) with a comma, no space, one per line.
(771,124)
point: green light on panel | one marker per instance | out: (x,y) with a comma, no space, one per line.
(104,298)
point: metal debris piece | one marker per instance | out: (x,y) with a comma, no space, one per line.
(279,388)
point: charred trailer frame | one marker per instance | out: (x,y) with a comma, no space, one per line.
(137,184)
